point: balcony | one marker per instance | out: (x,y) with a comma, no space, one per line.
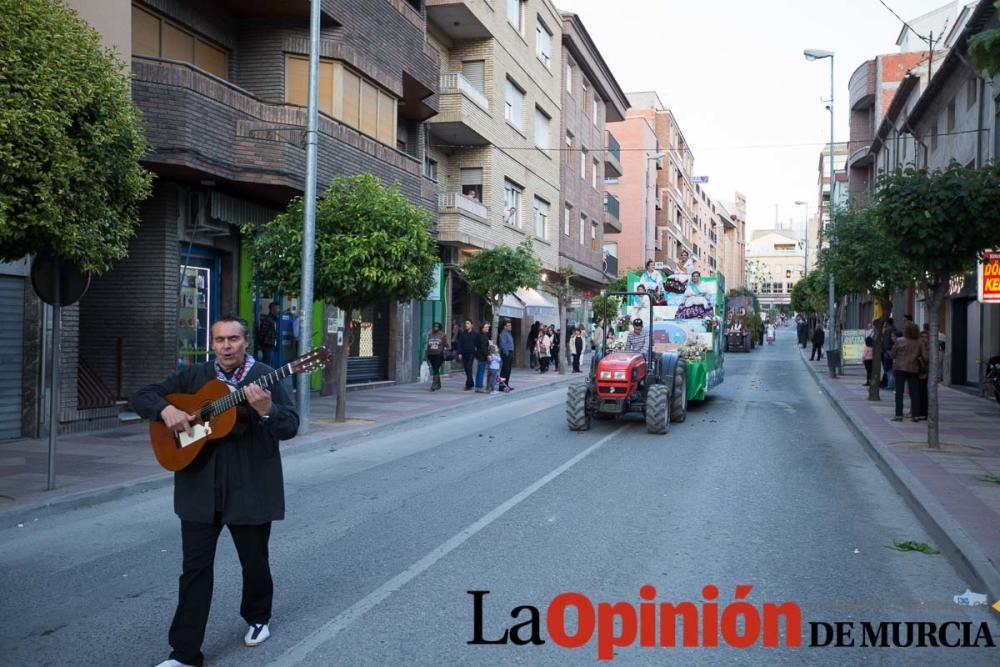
(462,220)
(456,82)
(464,117)
(862,86)
(612,214)
(461,20)
(613,158)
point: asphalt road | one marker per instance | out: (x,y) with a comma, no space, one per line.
(763,485)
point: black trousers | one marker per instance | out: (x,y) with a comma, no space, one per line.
(435,360)
(904,378)
(467,360)
(555,356)
(506,364)
(576,362)
(868,371)
(187,632)
(816,349)
(922,393)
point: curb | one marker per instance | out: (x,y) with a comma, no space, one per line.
(942,526)
(307,443)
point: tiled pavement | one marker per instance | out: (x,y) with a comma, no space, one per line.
(954,476)
(90,466)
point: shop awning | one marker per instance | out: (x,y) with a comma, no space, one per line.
(512,307)
(539,305)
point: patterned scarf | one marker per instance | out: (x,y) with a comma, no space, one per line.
(237,375)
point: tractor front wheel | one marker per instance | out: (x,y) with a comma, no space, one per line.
(577,412)
(657,409)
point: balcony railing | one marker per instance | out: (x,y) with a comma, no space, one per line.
(614,148)
(456,81)
(612,206)
(460,202)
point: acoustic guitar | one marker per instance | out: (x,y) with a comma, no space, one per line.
(215,407)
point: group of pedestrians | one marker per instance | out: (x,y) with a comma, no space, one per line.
(905,365)
(487,364)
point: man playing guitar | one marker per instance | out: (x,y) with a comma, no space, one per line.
(235,482)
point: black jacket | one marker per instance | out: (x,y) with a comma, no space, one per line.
(578,345)
(819,336)
(482,346)
(467,342)
(239,476)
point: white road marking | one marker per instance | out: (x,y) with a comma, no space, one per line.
(298,653)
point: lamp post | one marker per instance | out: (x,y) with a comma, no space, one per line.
(832,356)
(805,235)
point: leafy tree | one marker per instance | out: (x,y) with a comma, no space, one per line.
(985,48)
(809,295)
(70,140)
(864,257)
(371,244)
(942,221)
(495,272)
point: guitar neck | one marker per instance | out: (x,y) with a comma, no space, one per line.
(240,395)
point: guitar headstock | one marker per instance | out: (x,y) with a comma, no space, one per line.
(313,360)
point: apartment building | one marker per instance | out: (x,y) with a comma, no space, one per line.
(222,89)
(494,148)
(591,157)
(636,192)
(774,263)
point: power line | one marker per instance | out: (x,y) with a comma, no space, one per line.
(891,11)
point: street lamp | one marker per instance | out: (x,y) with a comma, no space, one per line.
(832,356)
(805,234)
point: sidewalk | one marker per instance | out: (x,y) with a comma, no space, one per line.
(96,466)
(946,485)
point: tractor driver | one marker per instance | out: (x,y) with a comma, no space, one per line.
(637,339)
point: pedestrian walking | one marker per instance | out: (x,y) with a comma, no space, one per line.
(532,345)
(866,358)
(907,355)
(235,483)
(802,330)
(577,348)
(506,344)
(597,336)
(267,334)
(819,337)
(543,350)
(493,372)
(467,352)
(437,343)
(555,347)
(482,356)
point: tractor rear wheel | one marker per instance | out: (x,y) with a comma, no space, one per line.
(577,412)
(657,409)
(679,400)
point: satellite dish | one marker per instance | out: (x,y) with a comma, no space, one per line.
(46,268)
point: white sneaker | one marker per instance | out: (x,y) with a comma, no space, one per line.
(256,634)
(170,662)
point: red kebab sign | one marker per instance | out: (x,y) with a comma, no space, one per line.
(989,277)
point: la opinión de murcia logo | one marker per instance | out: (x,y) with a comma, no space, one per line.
(705,624)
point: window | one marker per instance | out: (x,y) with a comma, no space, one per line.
(789,286)
(583,226)
(594,109)
(971,92)
(472,183)
(543,43)
(951,116)
(345,95)
(593,236)
(934,135)
(593,173)
(567,214)
(569,140)
(154,36)
(512,203)
(541,219)
(515,14)
(542,122)
(569,78)
(583,163)
(586,96)
(514,108)
(431,169)
(474,72)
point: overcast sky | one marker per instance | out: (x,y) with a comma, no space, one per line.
(749,104)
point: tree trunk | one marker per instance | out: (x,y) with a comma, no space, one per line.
(873,394)
(934,297)
(495,326)
(345,352)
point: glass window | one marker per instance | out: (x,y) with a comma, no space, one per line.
(352,99)
(593,173)
(431,169)
(541,219)
(593,236)
(512,203)
(472,183)
(153,36)
(542,122)
(145,33)
(386,118)
(514,107)
(595,109)
(543,43)
(567,214)
(211,59)
(369,109)
(514,14)
(583,163)
(583,227)
(177,44)
(569,78)
(297,83)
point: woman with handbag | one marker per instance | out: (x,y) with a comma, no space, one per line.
(437,343)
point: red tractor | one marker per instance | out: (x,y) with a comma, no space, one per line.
(645,383)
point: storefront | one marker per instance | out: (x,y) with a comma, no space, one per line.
(11,352)
(197,302)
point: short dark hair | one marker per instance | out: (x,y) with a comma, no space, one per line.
(231,317)
(649,261)
(273,304)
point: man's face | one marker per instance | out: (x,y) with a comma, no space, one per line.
(229,344)
(468,325)
(507,327)
(637,328)
(273,310)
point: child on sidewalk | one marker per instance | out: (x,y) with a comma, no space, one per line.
(494,369)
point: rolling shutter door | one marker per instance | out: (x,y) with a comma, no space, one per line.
(11,355)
